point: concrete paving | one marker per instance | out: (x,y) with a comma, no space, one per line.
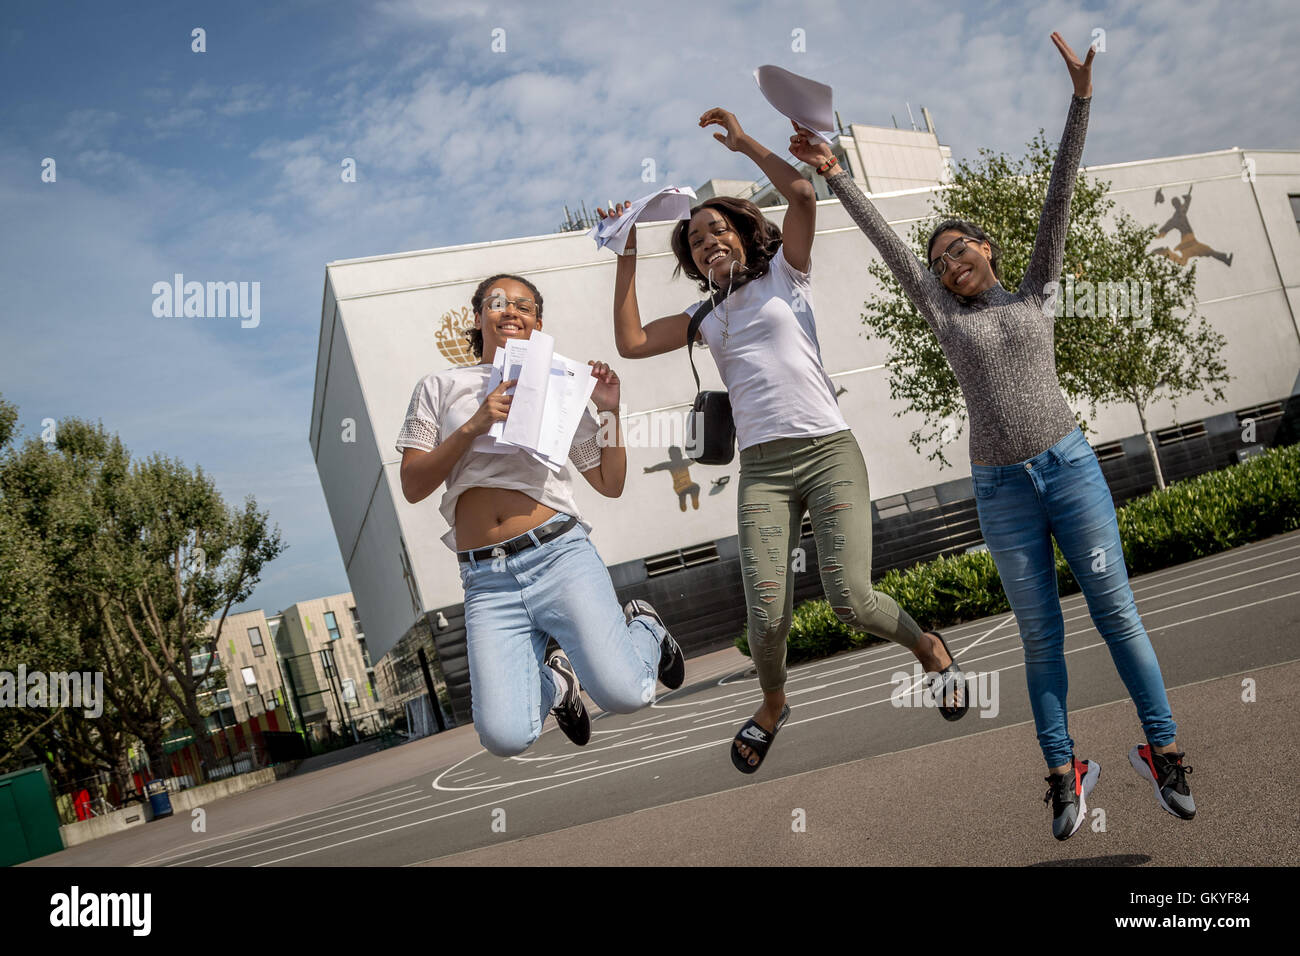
(870,782)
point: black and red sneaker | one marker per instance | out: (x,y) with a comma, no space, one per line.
(1068,794)
(570,713)
(1167,774)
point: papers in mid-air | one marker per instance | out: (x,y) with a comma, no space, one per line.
(796,97)
(549,400)
(670,203)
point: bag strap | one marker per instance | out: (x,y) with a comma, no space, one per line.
(696,320)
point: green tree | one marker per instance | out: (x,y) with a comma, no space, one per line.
(52,499)
(1105,353)
(118,567)
(172,557)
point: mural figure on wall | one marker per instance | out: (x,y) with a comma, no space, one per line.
(680,469)
(1188,246)
(452,336)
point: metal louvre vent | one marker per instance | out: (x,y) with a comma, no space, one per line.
(1180,433)
(1260,413)
(682,558)
(1109,451)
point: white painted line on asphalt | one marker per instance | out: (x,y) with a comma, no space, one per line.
(243,845)
(574,768)
(628,764)
(263,828)
(494,803)
(1074,650)
(664,743)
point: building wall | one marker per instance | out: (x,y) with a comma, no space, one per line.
(890,160)
(308,628)
(382,318)
(235,651)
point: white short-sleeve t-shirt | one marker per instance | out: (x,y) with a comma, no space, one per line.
(770,360)
(444,401)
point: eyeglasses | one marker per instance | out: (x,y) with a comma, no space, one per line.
(497,302)
(955,250)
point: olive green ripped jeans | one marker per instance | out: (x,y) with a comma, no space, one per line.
(827,477)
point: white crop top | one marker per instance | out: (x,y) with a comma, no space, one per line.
(770,359)
(444,401)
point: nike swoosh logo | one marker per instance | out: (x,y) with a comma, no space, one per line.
(755,734)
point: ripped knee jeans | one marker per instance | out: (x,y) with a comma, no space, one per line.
(827,477)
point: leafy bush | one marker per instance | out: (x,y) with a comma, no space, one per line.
(1192,519)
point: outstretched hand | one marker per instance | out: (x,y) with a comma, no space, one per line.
(734,138)
(808,148)
(613,213)
(605,394)
(1080,72)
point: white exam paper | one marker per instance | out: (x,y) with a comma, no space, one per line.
(524,422)
(796,97)
(669,203)
(549,401)
(571,386)
(489,440)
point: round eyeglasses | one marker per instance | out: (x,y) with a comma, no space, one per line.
(955,250)
(497,302)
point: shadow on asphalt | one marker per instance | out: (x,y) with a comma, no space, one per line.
(1122,859)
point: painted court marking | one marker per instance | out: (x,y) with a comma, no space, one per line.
(692,722)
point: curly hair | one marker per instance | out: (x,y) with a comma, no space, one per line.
(475,336)
(760,238)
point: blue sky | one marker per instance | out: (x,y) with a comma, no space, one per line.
(224,166)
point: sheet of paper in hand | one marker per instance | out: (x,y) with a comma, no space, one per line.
(796,97)
(491,441)
(548,401)
(669,203)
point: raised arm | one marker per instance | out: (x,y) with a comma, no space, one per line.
(631,338)
(919,285)
(610,471)
(1049,246)
(800,222)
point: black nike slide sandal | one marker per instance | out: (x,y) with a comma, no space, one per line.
(757,740)
(951,676)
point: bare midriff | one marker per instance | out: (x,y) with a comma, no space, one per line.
(488,516)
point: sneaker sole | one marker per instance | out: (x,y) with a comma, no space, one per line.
(1145,773)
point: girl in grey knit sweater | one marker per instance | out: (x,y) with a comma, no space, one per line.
(1035,476)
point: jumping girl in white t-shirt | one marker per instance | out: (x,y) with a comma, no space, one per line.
(527,565)
(796,451)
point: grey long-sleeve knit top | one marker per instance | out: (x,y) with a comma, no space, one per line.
(1000,344)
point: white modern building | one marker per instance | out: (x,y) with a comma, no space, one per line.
(387,321)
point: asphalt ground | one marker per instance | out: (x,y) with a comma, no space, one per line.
(852,779)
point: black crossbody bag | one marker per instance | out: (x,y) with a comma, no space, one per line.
(710,429)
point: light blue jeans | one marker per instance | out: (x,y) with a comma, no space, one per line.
(560,588)
(1062,493)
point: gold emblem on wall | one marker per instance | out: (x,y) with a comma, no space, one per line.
(453,342)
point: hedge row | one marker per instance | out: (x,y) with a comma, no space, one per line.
(1197,517)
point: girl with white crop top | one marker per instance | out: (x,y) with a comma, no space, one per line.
(527,565)
(796,451)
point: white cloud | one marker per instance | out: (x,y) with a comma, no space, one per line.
(454,143)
